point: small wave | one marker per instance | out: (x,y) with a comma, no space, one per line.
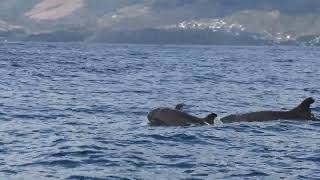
(252,173)
(315,159)
(175,137)
(89,110)
(174,156)
(200,175)
(77,177)
(39,116)
(92,146)
(182,165)
(75,153)
(76,123)
(62,163)
(317,124)
(11,172)
(316,109)
(101,161)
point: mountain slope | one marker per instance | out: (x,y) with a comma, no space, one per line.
(54,9)
(283,21)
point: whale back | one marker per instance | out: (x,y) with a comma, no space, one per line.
(174,117)
(170,117)
(300,112)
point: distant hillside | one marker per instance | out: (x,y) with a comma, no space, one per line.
(10,31)
(49,10)
(221,21)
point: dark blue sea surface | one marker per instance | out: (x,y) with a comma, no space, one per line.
(78,111)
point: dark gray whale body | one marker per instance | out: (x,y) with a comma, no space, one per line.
(176,117)
(301,112)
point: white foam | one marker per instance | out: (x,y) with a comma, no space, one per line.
(217,121)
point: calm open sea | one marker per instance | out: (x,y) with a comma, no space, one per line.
(78,111)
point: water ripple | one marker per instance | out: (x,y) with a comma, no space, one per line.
(78,111)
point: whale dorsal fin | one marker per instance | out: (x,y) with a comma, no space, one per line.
(304,106)
(210,118)
(179,107)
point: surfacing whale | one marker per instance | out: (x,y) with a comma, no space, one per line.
(176,117)
(301,112)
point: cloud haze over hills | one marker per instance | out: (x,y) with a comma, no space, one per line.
(53,10)
(163,21)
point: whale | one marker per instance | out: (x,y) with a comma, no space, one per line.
(300,112)
(176,117)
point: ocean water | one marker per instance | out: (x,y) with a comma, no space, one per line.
(78,111)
